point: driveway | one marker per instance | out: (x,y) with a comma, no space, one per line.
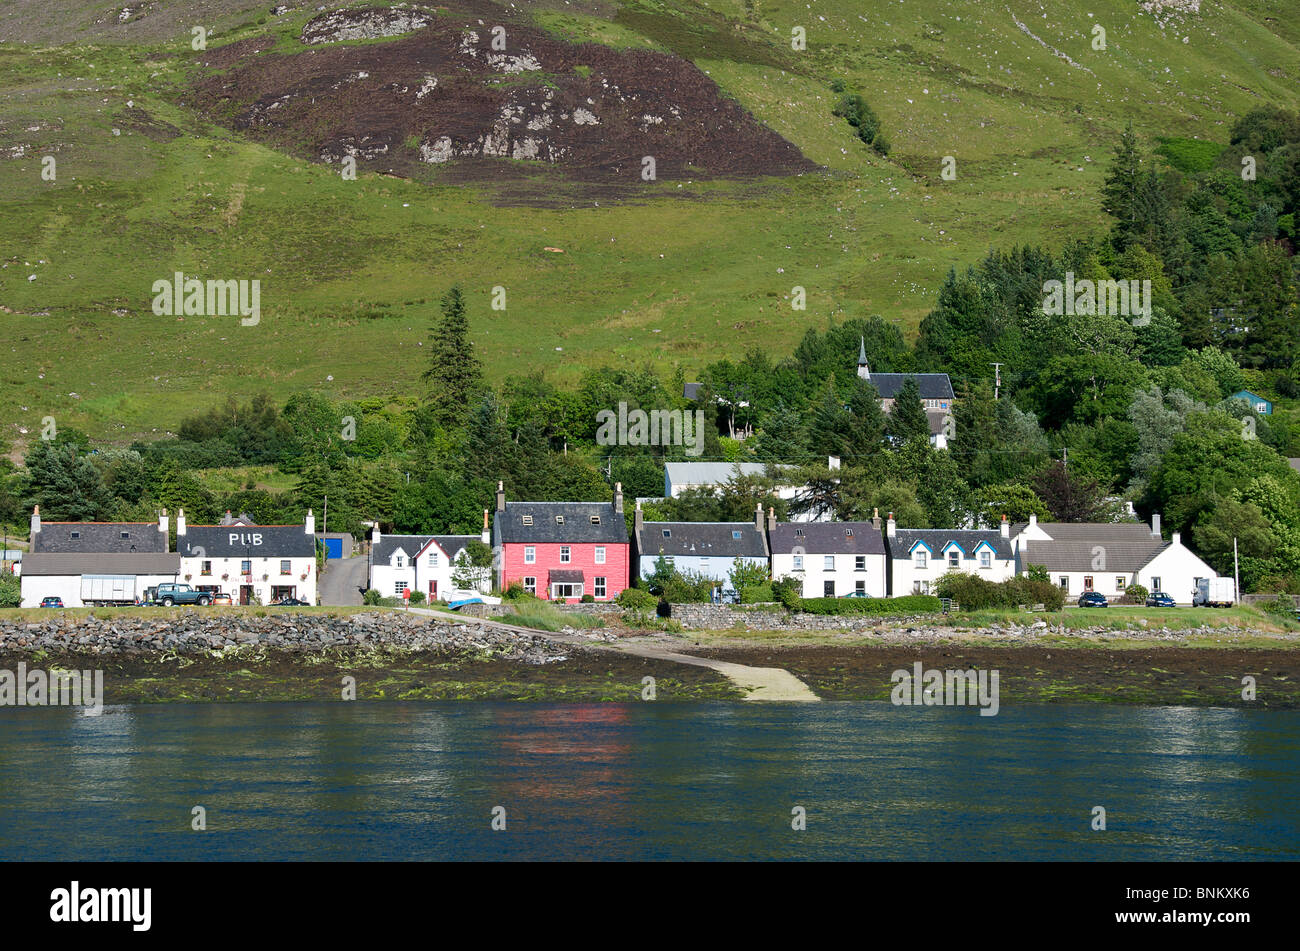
(343,581)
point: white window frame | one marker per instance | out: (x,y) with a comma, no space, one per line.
(598,586)
(530,554)
(566,554)
(600,554)
(920,559)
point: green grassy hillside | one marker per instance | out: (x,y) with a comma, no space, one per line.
(672,272)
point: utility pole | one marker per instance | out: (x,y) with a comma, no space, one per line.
(1065,458)
(325,517)
(997,378)
(1236,574)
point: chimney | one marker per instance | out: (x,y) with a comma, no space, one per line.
(180,526)
(832,462)
(486,535)
(501,496)
(758,517)
(1006,527)
(1033,521)
(638,519)
(164,527)
(891,526)
(771,519)
(36,527)
(618,497)
(875,519)
(1155,525)
(310,525)
(1175,539)
(376,536)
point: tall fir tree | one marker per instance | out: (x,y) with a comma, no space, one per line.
(454,374)
(907,419)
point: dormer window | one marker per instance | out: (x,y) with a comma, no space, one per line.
(126,534)
(848,533)
(559,520)
(798,533)
(528,520)
(595,520)
(76,534)
(668,533)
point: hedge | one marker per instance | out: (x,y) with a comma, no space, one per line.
(908,604)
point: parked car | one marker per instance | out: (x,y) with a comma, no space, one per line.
(51,602)
(1092,599)
(222,599)
(856,594)
(291,602)
(1159,599)
(169,594)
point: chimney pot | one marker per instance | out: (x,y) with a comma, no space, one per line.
(1155,525)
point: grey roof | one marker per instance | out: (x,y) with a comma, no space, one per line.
(831,538)
(243,518)
(382,550)
(453,545)
(937,539)
(710,473)
(690,390)
(564,576)
(99,537)
(701,539)
(102,563)
(577,528)
(933,386)
(1294,464)
(242,541)
(1124,546)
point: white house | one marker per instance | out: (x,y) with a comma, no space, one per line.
(831,559)
(1109,556)
(254,564)
(680,476)
(711,549)
(918,558)
(98,560)
(424,563)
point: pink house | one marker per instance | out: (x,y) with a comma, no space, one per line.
(562,549)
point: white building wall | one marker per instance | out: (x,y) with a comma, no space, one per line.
(715,567)
(1177,568)
(68,587)
(906,574)
(844,573)
(304,588)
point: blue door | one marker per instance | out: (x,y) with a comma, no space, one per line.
(333,548)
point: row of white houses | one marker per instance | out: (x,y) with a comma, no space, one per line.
(85,562)
(838,559)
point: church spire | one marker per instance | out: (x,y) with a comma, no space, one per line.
(863,370)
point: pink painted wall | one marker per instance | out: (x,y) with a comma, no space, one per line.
(583,558)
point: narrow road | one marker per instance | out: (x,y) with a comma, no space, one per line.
(759,683)
(343,581)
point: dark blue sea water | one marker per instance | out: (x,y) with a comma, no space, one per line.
(647,781)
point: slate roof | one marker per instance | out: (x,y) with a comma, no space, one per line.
(937,539)
(709,473)
(102,563)
(381,552)
(701,539)
(453,545)
(830,538)
(933,386)
(1127,546)
(99,537)
(577,529)
(565,576)
(277,541)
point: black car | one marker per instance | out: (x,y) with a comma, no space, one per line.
(1158,599)
(1092,599)
(291,602)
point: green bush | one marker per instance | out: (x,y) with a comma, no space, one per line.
(370,597)
(588,599)
(636,599)
(909,604)
(854,110)
(756,594)
(516,592)
(11,593)
(1135,594)
(417,597)
(974,593)
(1281,606)
(744,575)
(787,591)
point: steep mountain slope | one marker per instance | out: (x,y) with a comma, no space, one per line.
(174,159)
